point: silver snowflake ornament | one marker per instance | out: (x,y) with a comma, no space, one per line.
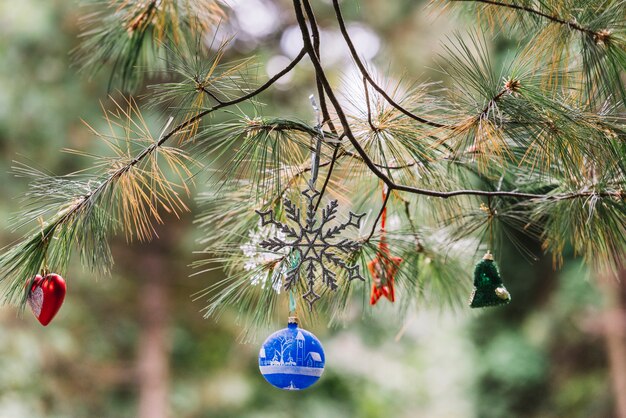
(314,247)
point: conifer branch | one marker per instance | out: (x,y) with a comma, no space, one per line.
(368,77)
(322,98)
(333,161)
(600,35)
(519,123)
(308,47)
(531,123)
(510,87)
(202,88)
(24,258)
(316,47)
(369,106)
(178,129)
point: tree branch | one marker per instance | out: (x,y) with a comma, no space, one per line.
(369,107)
(328,175)
(208,93)
(87,198)
(528,9)
(322,97)
(319,71)
(364,72)
(380,213)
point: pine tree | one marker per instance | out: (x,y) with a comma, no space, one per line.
(535,145)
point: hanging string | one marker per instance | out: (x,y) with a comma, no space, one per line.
(316,144)
(383,220)
(292,303)
(316,149)
(45,240)
(490,220)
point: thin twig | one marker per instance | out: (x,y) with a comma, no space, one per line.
(330,172)
(528,9)
(382,209)
(316,47)
(407,210)
(210,94)
(87,198)
(364,72)
(279,125)
(369,107)
(490,105)
(322,97)
(319,71)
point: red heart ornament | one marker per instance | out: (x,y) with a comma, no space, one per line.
(46,297)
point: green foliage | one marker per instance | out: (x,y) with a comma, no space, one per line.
(533,145)
(541,358)
(559,32)
(267,153)
(595,229)
(81,210)
(130,36)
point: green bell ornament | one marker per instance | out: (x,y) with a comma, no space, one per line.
(488,287)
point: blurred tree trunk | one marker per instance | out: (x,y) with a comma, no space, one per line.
(614,330)
(153,347)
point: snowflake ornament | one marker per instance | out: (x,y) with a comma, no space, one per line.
(317,246)
(256,258)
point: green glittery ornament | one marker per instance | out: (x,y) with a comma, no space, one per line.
(488,287)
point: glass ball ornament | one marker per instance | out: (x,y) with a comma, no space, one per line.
(292,358)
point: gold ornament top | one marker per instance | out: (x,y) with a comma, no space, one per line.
(488,256)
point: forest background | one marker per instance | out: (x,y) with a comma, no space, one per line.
(136,344)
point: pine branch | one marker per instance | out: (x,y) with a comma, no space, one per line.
(512,125)
(597,35)
(132,35)
(368,77)
(601,44)
(308,47)
(501,105)
(176,130)
(24,259)
(322,98)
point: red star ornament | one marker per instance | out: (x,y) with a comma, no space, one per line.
(383,269)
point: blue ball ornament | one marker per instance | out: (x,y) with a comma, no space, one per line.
(292,358)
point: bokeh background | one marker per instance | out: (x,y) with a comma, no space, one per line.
(135,344)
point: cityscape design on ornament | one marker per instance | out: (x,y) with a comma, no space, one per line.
(317,245)
(291,359)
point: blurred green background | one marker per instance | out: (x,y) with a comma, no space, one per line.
(135,344)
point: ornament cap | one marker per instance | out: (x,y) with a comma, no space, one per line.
(488,256)
(292,320)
